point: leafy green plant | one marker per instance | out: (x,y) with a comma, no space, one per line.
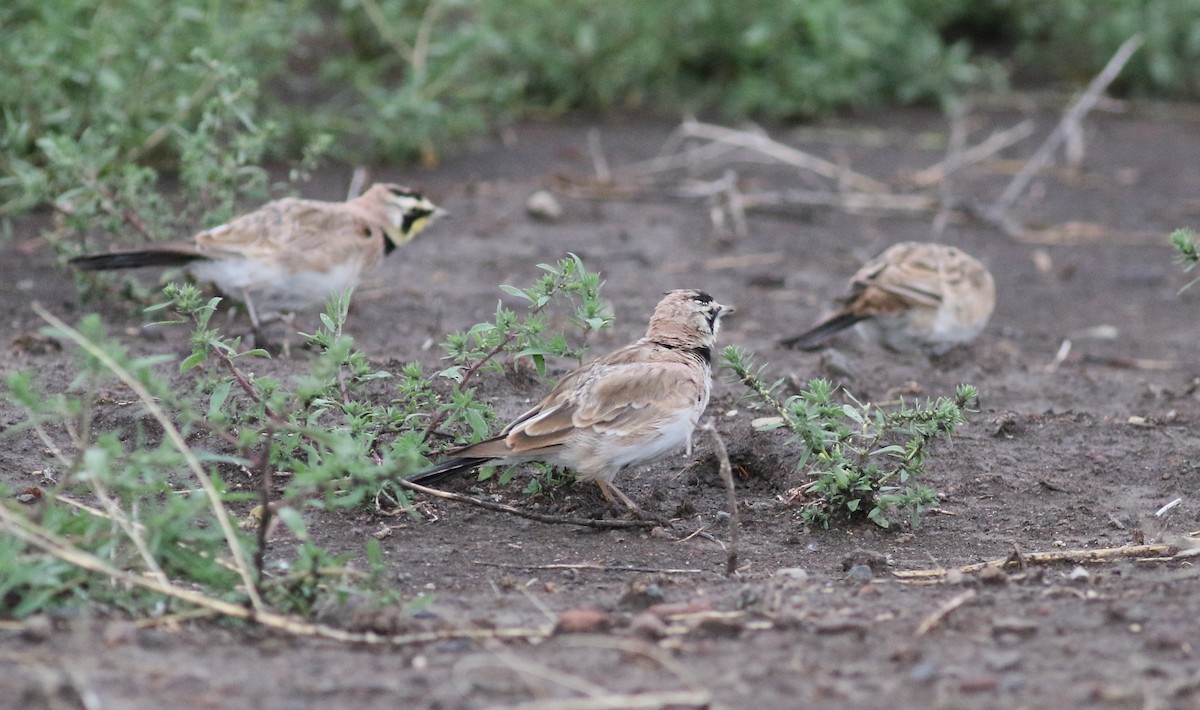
(1187,252)
(863,460)
(151,500)
(524,336)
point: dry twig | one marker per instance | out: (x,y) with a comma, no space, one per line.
(1042,558)
(998,212)
(735,521)
(944,610)
(632,701)
(539,517)
(938,172)
(764,145)
(591,566)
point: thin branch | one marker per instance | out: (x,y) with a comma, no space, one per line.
(735,520)
(944,610)
(264,502)
(998,141)
(783,153)
(599,162)
(633,701)
(1097,555)
(590,566)
(1074,114)
(848,201)
(130,528)
(539,517)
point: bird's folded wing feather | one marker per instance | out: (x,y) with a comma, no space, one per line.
(917,283)
(607,398)
(300,225)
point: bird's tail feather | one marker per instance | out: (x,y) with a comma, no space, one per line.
(816,335)
(447,469)
(133,259)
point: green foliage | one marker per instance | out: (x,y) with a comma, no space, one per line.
(1078,36)
(526,336)
(863,460)
(1187,252)
(104,99)
(520,337)
(332,428)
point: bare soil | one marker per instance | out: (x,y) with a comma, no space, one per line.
(1063,455)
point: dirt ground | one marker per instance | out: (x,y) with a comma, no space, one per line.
(1075,455)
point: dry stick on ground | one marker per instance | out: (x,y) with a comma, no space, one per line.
(590,566)
(942,611)
(938,172)
(634,701)
(783,153)
(177,440)
(264,501)
(599,163)
(953,160)
(539,517)
(848,201)
(1041,558)
(998,212)
(735,521)
(20,527)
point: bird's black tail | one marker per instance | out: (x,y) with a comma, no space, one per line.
(133,259)
(446,469)
(816,335)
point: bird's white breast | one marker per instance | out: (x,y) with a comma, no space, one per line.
(273,288)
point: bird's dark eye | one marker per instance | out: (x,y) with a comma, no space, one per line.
(366,233)
(411,216)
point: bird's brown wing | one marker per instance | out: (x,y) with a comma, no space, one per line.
(622,398)
(905,275)
(296,228)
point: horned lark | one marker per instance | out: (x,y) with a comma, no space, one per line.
(627,408)
(290,254)
(914,295)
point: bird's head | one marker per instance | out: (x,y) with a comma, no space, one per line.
(406,212)
(687,318)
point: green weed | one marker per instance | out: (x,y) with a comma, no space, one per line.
(1187,252)
(862,460)
(154,498)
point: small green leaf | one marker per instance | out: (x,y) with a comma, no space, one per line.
(217,399)
(193,360)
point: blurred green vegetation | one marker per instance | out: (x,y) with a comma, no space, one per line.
(128,85)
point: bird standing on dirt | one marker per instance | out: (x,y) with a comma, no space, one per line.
(290,254)
(627,408)
(914,295)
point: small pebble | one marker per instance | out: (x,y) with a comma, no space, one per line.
(544,206)
(798,574)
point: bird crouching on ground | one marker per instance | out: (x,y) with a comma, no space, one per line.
(290,254)
(913,296)
(630,407)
